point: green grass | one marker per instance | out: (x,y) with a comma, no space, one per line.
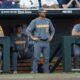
(52,76)
(44,75)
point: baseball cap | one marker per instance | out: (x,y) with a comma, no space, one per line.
(41,10)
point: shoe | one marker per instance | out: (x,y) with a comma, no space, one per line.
(33,72)
(14,72)
(1,71)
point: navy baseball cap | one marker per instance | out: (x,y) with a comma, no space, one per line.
(41,10)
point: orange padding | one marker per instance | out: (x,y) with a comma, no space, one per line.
(41,61)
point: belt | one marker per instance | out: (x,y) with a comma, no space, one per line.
(43,39)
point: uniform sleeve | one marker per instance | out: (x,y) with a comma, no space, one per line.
(30,28)
(76,28)
(52,29)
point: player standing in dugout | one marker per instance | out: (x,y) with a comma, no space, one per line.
(41,31)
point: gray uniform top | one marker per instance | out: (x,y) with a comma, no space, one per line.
(76,28)
(76,46)
(19,38)
(41,28)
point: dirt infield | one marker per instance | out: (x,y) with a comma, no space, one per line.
(54,76)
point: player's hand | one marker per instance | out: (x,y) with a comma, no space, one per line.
(50,38)
(34,38)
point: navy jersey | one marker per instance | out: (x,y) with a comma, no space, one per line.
(19,42)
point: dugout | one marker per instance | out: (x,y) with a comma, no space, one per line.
(63,21)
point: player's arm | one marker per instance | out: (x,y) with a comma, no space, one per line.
(52,30)
(78,3)
(74,33)
(68,4)
(30,29)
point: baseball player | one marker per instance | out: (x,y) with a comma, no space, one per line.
(19,45)
(76,47)
(41,31)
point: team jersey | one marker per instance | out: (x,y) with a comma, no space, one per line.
(43,29)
